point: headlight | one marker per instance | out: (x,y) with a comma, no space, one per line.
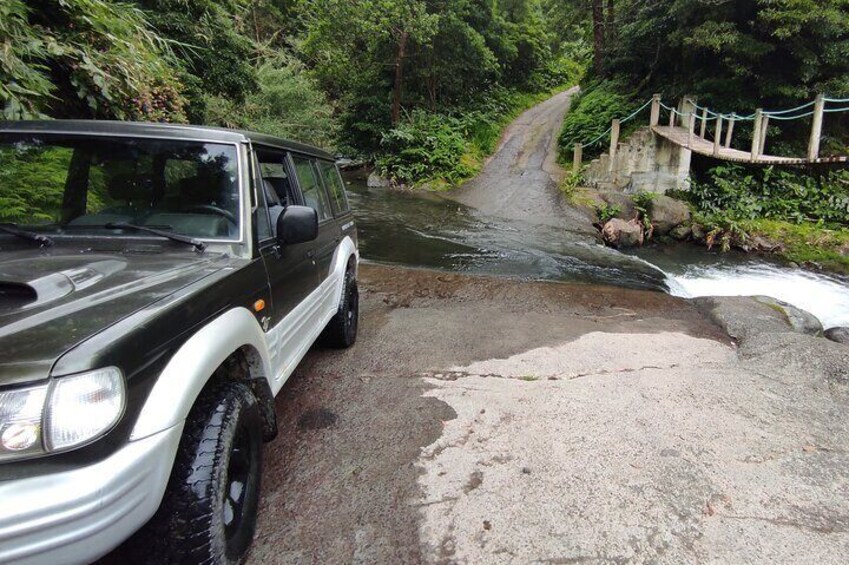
(66,413)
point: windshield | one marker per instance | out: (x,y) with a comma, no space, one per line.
(73,185)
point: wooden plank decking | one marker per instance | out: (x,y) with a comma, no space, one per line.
(681,136)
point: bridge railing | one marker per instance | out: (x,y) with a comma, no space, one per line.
(691,114)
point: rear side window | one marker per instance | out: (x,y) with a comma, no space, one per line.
(335,187)
(314,195)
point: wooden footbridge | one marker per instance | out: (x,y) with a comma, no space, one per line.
(716,141)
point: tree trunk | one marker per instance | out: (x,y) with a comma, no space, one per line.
(610,25)
(399,77)
(598,35)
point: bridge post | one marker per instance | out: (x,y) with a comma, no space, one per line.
(717,137)
(756,135)
(703,130)
(577,157)
(816,129)
(614,142)
(730,131)
(762,142)
(691,127)
(655,110)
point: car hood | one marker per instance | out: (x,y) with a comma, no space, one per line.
(60,297)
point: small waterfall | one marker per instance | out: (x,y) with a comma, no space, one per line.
(824,296)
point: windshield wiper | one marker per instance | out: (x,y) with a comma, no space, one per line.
(198,245)
(12,229)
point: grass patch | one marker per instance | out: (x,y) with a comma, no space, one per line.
(805,243)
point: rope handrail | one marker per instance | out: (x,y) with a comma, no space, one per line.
(789,118)
(622,121)
(782,115)
(637,111)
(790,111)
(596,140)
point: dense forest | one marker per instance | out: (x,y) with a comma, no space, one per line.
(422,87)
(730,55)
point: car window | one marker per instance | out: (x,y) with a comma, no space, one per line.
(261,216)
(72,185)
(276,185)
(334,185)
(313,192)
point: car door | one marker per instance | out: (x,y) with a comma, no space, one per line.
(291,268)
(314,195)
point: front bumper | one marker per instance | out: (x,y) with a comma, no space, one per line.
(78,516)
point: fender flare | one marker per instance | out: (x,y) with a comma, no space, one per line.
(191,367)
(339,265)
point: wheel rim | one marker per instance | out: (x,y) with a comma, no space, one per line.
(238,482)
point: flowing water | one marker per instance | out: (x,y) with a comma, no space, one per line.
(430,231)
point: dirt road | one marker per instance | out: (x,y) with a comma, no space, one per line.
(520,180)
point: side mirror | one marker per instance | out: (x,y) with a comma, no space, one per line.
(297,224)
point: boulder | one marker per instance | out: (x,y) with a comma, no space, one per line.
(698,232)
(800,320)
(621,201)
(619,233)
(744,316)
(840,335)
(377,181)
(667,213)
(681,232)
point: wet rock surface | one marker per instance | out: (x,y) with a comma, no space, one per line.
(668,213)
(622,234)
(487,420)
(839,335)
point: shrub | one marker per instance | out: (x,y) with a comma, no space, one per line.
(779,194)
(423,147)
(288,103)
(591,115)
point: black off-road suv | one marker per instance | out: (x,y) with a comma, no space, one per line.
(158,285)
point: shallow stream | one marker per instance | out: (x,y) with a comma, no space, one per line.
(429,231)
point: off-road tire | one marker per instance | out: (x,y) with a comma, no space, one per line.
(220,450)
(341,330)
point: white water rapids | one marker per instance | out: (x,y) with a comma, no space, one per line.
(824,296)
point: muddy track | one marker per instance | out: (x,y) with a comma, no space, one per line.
(520,180)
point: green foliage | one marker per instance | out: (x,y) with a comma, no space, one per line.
(724,231)
(287,103)
(451,57)
(450,147)
(32,181)
(571,182)
(92,58)
(214,56)
(591,115)
(780,194)
(423,147)
(808,215)
(738,54)
(607,213)
(643,206)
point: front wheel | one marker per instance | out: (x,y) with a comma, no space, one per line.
(208,513)
(341,331)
